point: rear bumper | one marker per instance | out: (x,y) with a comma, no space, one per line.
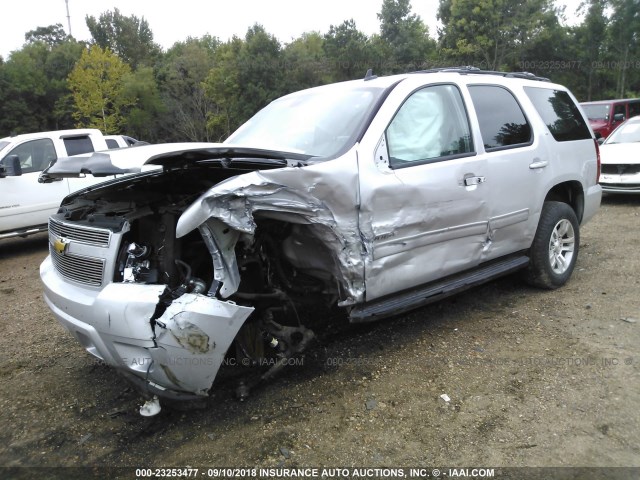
(176,358)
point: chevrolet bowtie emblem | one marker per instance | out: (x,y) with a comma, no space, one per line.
(60,245)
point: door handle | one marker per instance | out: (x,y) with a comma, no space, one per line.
(470,181)
(538,164)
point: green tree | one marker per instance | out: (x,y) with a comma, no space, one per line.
(98,87)
(142,119)
(405,35)
(348,51)
(52,35)
(305,62)
(34,89)
(248,74)
(222,88)
(590,43)
(181,74)
(624,44)
(261,71)
(130,37)
(491,34)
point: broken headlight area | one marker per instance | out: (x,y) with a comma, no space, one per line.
(187,306)
(282,275)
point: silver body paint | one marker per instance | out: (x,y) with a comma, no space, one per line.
(386,230)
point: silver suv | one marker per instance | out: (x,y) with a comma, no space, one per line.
(363,199)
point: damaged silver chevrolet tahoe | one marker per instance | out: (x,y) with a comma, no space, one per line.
(366,198)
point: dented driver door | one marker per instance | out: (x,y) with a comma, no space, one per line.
(423,209)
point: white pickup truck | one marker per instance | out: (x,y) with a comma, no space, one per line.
(25,203)
(121,141)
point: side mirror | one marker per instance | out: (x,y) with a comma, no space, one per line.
(11,166)
(618,117)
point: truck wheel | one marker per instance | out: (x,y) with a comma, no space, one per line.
(554,250)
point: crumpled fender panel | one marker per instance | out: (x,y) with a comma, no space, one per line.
(324,194)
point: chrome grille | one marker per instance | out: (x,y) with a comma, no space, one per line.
(620,169)
(88,235)
(78,268)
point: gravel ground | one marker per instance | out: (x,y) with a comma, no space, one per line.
(533,378)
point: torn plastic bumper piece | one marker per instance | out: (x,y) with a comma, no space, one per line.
(177,356)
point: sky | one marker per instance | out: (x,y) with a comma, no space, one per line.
(173,21)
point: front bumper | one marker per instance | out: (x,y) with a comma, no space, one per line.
(620,183)
(178,358)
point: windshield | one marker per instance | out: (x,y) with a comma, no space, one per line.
(320,122)
(598,112)
(627,133)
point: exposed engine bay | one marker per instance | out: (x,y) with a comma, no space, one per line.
(282,270)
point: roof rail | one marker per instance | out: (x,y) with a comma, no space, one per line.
(466,70)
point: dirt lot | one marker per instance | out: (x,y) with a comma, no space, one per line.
(535,378)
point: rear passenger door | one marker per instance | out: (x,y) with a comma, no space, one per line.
(517,168)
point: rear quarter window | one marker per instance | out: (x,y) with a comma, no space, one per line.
(559,113)
(78,145)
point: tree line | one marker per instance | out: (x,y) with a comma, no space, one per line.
(202,89)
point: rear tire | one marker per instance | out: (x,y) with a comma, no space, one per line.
(554,250)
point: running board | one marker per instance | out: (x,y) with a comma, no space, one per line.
(432,292)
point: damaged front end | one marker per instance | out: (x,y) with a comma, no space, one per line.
(170,275)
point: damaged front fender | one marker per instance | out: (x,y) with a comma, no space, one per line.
(290,195)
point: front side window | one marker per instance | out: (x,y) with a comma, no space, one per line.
(431,125)
(634,109)
(559,113)
(502,122)
(35,155)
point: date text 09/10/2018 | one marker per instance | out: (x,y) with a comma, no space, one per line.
(328,473)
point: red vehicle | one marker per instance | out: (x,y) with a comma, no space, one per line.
(605,115)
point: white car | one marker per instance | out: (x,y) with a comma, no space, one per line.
(620,157)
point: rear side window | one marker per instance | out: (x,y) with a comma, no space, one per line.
(502,122)
(559,113)
(111,143)
(78,145)
(634,109)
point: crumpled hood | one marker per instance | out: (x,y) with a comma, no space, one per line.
(168,155)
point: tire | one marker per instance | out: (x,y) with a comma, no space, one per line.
(554,250)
